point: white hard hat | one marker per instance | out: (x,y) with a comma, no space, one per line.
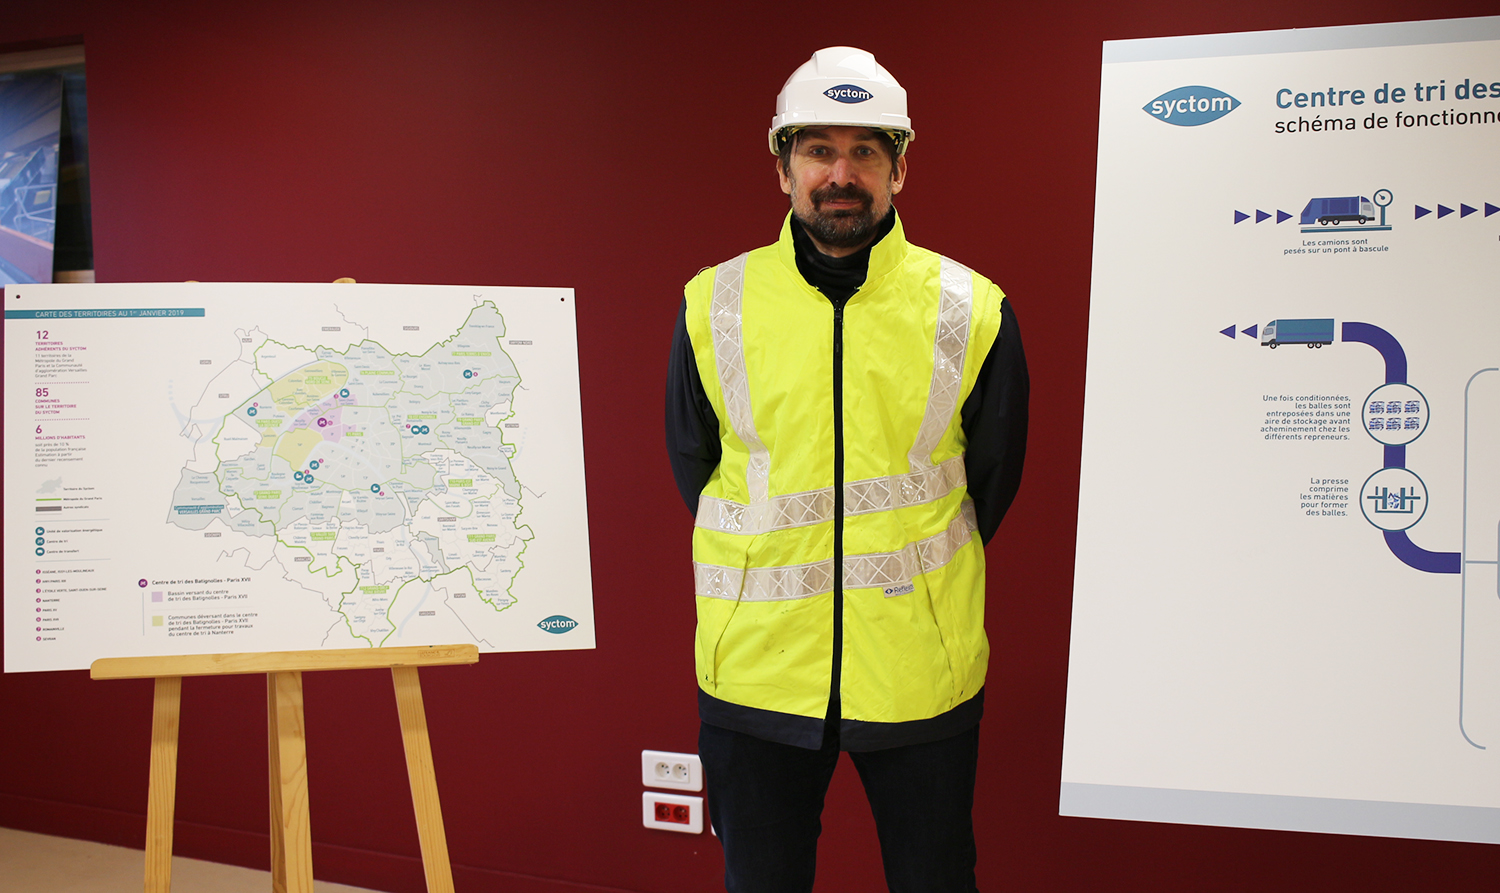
(842,85)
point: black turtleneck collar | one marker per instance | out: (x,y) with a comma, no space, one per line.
(837,278)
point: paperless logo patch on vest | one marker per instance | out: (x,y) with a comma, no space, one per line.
(1191,106)
(848,93)
(557,624)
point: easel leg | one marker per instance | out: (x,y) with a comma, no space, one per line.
(291,829)
(278,846)
(161,797)
(424,793)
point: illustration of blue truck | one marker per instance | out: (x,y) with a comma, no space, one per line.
(1337,210)
(1312,332)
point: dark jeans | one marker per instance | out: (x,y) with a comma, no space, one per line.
(765,800)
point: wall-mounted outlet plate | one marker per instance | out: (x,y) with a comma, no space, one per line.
(664,769)
(672,812)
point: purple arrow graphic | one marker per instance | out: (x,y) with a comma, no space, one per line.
(1395,454)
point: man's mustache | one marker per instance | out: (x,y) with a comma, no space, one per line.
(843,193)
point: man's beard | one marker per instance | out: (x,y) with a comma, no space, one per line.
(844,228)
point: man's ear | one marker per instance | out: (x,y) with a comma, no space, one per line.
(786,181)
(898,175)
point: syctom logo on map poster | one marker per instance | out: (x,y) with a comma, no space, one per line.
(557,624)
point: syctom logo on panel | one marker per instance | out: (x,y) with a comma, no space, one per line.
(1191,106)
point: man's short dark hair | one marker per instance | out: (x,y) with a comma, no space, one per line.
(787,141)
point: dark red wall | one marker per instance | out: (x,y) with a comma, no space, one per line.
(615,148)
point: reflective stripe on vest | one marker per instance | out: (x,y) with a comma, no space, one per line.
(885,570)
(924,483)
(816,506)
(729,351)
(948,349)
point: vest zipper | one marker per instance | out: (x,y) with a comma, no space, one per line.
(835,710)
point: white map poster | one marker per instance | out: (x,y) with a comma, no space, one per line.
(1286,610)
(204,468)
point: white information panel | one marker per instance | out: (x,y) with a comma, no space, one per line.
(1286,611)
(202,468)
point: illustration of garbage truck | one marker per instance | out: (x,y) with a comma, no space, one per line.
(1337,210)
(1312,332)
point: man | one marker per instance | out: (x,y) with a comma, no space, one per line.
(846,416)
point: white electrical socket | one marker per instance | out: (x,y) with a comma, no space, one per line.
(664,769)
(672,812)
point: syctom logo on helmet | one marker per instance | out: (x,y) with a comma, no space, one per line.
(848,93)
(857,80)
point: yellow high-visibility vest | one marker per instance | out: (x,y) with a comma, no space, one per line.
(912,340)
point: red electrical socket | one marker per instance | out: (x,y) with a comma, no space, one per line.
(672,812)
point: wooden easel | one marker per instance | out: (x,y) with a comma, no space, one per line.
(291,833)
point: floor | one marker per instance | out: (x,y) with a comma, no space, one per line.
(35,862)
